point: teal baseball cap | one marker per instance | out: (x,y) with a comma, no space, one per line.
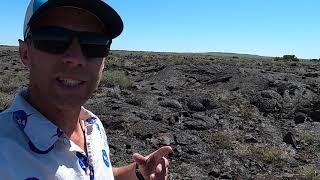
(107,15)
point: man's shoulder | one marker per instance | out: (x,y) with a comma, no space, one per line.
(89,116)
(9,129)
(6,120)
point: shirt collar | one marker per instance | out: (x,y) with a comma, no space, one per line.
(41,132)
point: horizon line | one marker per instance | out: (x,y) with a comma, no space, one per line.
(197,52)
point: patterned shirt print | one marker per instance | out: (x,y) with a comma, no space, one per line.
(33,148)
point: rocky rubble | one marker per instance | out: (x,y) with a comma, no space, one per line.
(225,117)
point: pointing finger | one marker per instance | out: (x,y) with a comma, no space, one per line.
(161,152)
(138,158)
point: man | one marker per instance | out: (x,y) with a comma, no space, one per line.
(46,133)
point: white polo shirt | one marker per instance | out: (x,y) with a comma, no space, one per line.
(33,148)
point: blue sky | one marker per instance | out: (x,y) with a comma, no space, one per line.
(263,27)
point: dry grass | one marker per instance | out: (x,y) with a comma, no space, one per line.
(310,138)
(116,78)
(245,110)
(179,61)
(311,173)
(264,152)
(221,140)
(224,96)
(269,154)
(5,100)
(10,82)
(113,61)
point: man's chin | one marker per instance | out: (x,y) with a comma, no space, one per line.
(69,104)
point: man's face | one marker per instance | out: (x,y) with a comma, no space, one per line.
(64,80)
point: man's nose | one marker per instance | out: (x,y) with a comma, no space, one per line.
(73,55)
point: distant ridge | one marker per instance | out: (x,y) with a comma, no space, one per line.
(221,54)
(235,54)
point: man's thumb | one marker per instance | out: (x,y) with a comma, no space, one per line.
(139,159)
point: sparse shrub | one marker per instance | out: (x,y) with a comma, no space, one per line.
(310,139)
(247,111)
(114,62)
(269,154)
(179,61)
(224,97)
(9,83)
(5,101)
(315,60)
(290,58)
(277,59)
(116,78)
(221,140)
(311,173)
(242,149)
(7,88)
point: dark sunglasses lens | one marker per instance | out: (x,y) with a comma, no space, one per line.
(94,44)
(51,46)
(56,40)
(51,40)
(92,50)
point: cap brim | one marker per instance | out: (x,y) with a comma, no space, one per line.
(110,18)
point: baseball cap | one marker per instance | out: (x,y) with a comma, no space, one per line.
(108,16)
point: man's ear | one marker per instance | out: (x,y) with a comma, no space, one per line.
(23,52)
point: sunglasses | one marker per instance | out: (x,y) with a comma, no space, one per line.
(56,40)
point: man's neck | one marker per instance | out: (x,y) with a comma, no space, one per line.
(66,119)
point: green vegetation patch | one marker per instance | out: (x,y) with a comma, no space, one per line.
(116,78)
(311,173)
(269,154)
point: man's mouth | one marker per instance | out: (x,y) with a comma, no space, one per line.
(70,82)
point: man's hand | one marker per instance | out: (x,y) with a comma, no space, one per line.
(155,165)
